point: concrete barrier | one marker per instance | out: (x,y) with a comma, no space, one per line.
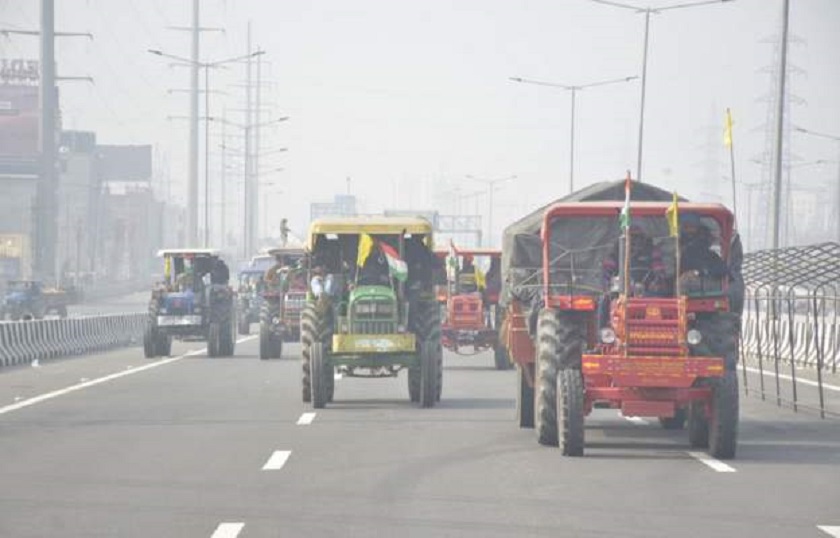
(24,341)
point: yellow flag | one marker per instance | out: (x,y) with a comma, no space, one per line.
(672,214)
(479,279)
(727,129)
(365,246)
(167,267)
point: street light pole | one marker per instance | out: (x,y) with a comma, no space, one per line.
(647,11)
(573,90)
(206,156)
(491,185)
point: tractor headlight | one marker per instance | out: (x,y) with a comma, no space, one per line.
(694,337)
(607,335)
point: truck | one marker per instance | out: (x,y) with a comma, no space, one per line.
(468,291)
(281,303)
(371,309)
(188,305)
(582,341)
(30,299)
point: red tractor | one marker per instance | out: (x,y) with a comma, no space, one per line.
(468,286)
(583,337)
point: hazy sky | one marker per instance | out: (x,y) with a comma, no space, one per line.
(407,98)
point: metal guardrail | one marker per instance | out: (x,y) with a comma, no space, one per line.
(791,318)
(24,342)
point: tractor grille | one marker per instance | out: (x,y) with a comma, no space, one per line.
(374,317)
(655,327)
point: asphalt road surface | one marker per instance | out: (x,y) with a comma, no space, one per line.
(117,445)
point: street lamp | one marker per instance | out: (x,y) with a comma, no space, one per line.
(647,11)
(573,90)
(194,180)
(491,185)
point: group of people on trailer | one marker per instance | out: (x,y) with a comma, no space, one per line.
(699,264)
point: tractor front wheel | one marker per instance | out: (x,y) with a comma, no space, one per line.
(149,342)
(723,426)
(545,395)
(698,426)
(677,422)
(265,341)
(429,365)
(570,415)
(524,397)
(500,357)
(214,333)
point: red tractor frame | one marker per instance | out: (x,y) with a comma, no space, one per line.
(671,357)
(471,317)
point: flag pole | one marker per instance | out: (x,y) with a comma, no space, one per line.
(628,188)
(729,142)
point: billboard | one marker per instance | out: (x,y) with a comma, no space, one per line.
(19,121)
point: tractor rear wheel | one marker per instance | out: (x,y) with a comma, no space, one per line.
(414,384)
(524,398)
(314,328)
(214,333)
(163,345)
(677,422)
(570,416)
(723,426)
(545,397)
(149,342)
(429,354)
(426,327)
(317,369)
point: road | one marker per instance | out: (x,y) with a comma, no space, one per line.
(115,445)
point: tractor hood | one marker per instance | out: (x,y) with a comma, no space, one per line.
(373,293)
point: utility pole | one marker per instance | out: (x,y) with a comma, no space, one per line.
(256,201)
(46,225)
(246,207)
(780,119)
(192,198)
(223,177)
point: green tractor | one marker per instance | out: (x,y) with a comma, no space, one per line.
(371,309)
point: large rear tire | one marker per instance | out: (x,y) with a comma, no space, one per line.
(570,415)
(163,345)
(414,384)
(214,333)
(318,369)
(524,398)
(429,353)
(426,326)
(149,342)
(723,426)
(314,327)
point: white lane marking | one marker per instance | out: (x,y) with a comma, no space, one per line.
(709,461)
(830,530)
(277,460)
(306,419)
(100,380)
(228,530)
(337,376)
(637,420)
(768,373)
(36,363)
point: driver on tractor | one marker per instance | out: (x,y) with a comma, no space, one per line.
(697,259)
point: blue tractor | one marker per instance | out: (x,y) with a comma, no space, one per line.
(194,302)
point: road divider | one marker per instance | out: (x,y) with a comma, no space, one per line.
(30,341)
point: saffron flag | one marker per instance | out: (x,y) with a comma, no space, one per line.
(727,129)
(672,214)
(480,280)
(396,265)
(624,219)
(365,246)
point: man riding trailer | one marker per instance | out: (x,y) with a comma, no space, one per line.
(371,309)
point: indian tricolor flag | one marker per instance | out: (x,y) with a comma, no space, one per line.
(624,218)
(396,265)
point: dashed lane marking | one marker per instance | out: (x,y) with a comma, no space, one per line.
(98,381)
(826,386)
(277,460)
(830,530)
(709,461)
(637,420)
(228,530)
(306,419)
